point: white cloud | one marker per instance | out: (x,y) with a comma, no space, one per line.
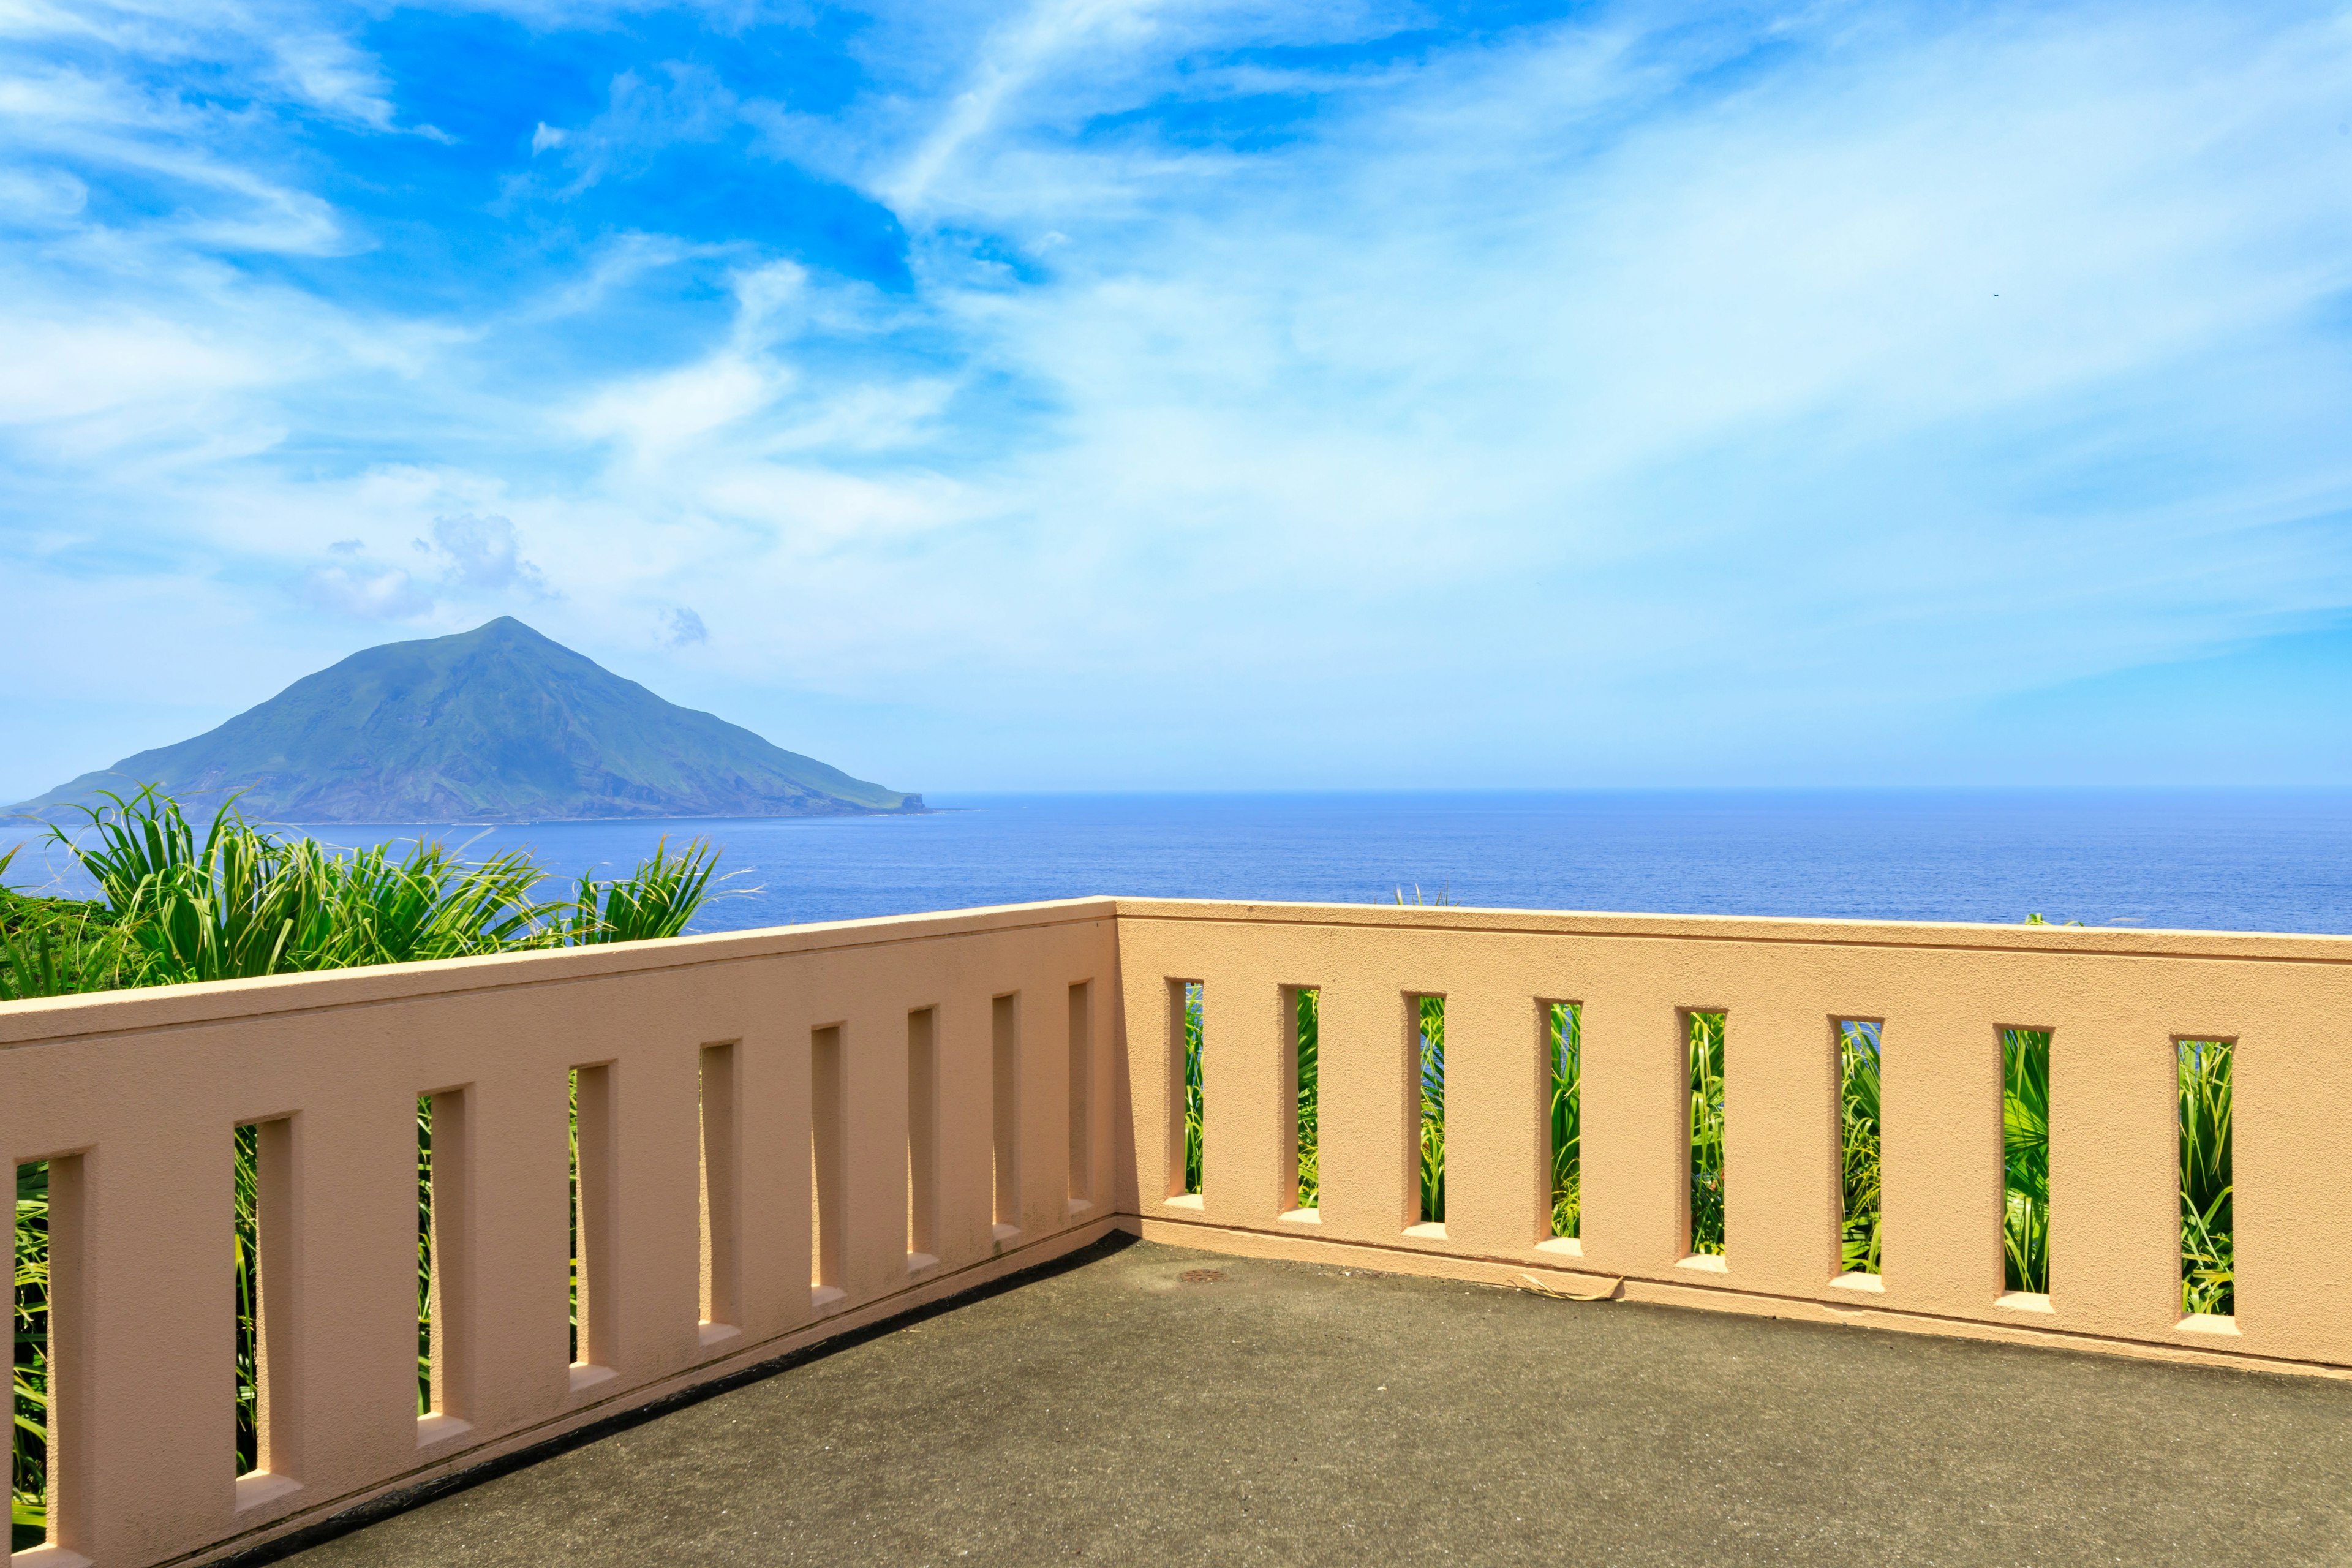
(484,555)
(370,593)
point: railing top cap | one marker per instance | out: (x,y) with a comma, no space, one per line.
(108,1012)
(164,1006)
(2118,940)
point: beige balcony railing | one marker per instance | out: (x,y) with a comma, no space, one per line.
(785,1134)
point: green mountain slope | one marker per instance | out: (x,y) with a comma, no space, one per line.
(498,724)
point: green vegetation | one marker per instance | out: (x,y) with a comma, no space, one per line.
(2207,1254)
(247,1239)
(29,1515)
(243,902)
(1310,1098)
(496,724)
(1433,1110)
(1707,1031)
(1858,1046)
(240,901)
(1567,1058)
(1193,1103)
(424,1257)
(2025,1160)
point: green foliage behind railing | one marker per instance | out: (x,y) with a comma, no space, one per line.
(2025,1159)
(2208,1249)
(1858,1080)
(1706,1176)
(28,1478)
(1195,1111)
(1433,1110)
(239,901)
(1567,1058)
(425,1255)
(1310,1098)
(247,1232)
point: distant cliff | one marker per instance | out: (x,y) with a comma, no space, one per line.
(498,724)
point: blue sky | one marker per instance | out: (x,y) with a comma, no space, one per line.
(1100,395)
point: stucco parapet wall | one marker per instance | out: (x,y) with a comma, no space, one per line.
(2117,1004)
(57,1018)
(2276,947)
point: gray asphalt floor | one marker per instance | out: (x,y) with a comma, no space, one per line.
(1153,1405)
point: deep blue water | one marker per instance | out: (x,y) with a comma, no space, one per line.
(2217,860)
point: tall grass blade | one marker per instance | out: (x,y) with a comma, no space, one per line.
(654,902)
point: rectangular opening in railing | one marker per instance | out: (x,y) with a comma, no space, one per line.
(245,1146)
(922,1139)
(1707,1236)
(1860,1044)
(1004,1076)
(2025,1167)
(2208,1189)
(828,1237)
(30,1477)
(1186,1092)
(594,1318)
(1564,1125)
(442,1263)
(1428,1056)
(1081,1090)
(267,1460)
(1304,1012)
(721,1206)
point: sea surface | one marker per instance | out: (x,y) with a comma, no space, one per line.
(2239,860)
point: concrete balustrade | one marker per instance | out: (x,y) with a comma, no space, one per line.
(752,1106)
(134,1097)
(2117,1003)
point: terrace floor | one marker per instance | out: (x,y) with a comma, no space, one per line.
(1114,1410)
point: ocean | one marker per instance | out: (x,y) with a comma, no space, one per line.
(2237,860)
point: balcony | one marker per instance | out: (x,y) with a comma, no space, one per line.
(790,1139)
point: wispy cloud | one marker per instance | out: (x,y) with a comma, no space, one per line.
(646,114)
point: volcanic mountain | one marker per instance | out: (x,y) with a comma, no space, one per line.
(498,724)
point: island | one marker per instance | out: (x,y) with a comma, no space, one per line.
(496,724)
